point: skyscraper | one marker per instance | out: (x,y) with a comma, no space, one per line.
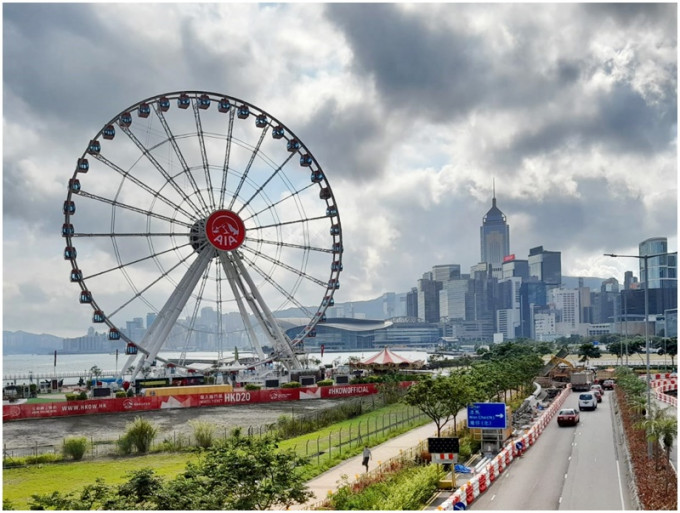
(662,269)
(494,237)
(546,266)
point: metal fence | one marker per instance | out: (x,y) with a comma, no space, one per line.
(359,432)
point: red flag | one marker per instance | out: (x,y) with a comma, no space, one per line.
(323,346)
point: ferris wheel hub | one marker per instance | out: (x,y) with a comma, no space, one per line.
(225,230)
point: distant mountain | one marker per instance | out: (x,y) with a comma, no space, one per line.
(21,342)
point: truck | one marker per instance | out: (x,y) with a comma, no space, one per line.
(582,380)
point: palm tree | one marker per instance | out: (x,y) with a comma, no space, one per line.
(668,432)
(659,428)
(637,404)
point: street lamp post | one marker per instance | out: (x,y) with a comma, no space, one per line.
(645,258)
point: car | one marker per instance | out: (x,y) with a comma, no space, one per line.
(608,384)
(598,391)
(568,417)
(587,401)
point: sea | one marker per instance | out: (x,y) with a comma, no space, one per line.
(43,366)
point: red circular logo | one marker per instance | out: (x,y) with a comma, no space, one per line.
(225,230)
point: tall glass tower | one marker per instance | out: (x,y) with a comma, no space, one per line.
(494,236)
(662,269)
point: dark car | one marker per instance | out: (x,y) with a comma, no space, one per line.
(567,417)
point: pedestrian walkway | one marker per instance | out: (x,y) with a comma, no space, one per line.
(330,480)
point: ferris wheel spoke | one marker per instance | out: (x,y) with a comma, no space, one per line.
(284,223)
(129,234)
(133,262)
(180,156)
(204,154)
(139,293)
(132,208)
(264,184)
(248,166)
(156,335)
(289,245)
(169,179)
(278,287)
(218,300)
(282,200)
(227,154)
(155,193)
(287,267)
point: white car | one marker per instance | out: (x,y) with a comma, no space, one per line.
(587,401)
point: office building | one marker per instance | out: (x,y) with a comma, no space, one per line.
(662,269)
(546,266)
(494,237)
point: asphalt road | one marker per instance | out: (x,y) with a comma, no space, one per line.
(569,468)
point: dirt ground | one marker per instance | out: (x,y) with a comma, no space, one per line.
(21,437)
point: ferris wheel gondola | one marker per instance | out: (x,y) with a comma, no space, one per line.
(195,209)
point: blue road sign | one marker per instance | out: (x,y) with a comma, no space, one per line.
(487,415)
(459,505)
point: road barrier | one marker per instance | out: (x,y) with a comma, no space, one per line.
(662,385)
(481,482)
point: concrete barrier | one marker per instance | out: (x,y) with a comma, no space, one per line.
(484,478)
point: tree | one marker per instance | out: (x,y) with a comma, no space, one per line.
(434,397)
(239,473)
(588,351)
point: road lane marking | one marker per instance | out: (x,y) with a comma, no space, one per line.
(618,473)
(492,498)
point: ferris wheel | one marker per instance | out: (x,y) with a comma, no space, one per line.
(206,216)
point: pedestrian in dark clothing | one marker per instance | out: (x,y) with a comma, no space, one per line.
(367,456)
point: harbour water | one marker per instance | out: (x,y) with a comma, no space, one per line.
(44,364)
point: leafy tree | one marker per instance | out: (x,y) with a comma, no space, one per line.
(588,351)
(434,397)
(239,473)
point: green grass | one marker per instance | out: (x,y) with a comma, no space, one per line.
(20,483)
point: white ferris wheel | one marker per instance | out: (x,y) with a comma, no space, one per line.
(194,207)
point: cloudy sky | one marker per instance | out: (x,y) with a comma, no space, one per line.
(412,110)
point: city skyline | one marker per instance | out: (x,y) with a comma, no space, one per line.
(563,124)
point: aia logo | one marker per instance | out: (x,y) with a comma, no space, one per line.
(225,230)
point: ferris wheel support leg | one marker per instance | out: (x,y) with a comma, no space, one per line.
(281,342)
(239,293)
(167,317)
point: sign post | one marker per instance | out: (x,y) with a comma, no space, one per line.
(487,416)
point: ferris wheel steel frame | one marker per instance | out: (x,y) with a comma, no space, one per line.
(199,211)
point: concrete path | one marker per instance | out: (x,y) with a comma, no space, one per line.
(329,480)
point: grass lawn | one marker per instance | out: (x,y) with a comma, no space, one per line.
(20,483)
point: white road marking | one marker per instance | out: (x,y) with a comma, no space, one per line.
(560,501)
(565,476)
(492,498)
(618,473)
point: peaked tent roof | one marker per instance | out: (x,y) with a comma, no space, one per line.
(386,357)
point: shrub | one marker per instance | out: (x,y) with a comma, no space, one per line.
(139,435)
(75,447)
(291,384)
(204,433)
(325,383)
(252,386)
(71,396)
(120,394)
(82,396)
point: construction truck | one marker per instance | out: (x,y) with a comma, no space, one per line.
(582,380)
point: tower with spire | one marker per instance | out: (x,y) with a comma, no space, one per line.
(494,236)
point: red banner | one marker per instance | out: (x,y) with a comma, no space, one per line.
(115,405)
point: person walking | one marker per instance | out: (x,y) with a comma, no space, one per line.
(367,456)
